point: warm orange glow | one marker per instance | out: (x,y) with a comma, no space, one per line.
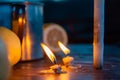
(61,77)
(20,20)
(28,41)
(24,21)
(65,76)
(26,44)
(49,53)
(63,48)
(50,77)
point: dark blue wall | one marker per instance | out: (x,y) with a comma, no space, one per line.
(76,16)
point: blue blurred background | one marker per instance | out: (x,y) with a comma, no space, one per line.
(76,17)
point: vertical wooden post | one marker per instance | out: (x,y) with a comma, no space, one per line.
(98,43)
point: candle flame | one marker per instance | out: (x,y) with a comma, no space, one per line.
(63,48)
(49,53)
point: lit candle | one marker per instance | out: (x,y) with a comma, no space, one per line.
(98,45)
(68,59)
(56,68)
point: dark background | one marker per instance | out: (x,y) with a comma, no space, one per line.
(76,17)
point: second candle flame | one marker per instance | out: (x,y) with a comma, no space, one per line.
(63,48)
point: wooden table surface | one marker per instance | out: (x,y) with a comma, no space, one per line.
(30,70)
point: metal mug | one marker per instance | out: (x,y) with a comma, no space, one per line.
(26,20)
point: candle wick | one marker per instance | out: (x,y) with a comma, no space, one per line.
(67,55)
